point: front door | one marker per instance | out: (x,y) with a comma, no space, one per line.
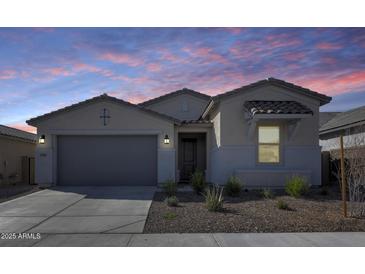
(189,159)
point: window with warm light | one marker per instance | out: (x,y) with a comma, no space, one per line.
(269,144)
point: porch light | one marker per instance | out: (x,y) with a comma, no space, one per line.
(166,140)
(42,139)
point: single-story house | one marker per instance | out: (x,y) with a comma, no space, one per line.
(325,116)
(350,124)
(263,133)
(17,151)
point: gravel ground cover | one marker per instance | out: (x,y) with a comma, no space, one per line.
(250,212)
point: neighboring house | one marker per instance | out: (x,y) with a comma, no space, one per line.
(17,148)
(262,133)
(350,124)
(324,117)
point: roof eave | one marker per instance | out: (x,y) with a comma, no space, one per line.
(343,127)
(35,121)
(172,94)
(323,99)
(207,109)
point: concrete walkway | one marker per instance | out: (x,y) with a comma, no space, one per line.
(78,210)
(196,240)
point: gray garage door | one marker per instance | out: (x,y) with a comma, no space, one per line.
(107,160)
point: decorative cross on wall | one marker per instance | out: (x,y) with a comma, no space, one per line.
(105,116)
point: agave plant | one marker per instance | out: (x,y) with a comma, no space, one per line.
(214,198)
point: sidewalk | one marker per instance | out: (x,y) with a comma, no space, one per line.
(210,240)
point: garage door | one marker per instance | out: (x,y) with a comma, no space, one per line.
(107,160)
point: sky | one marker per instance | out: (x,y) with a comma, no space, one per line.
(44,69)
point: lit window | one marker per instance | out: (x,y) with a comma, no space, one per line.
(269,144)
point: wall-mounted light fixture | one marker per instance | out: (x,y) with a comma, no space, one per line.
(166,140)
(42,139)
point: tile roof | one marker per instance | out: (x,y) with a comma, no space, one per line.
(325,116)
(345,120)
(102,97)
(13,132)
(196,122)
(276,107)
(176,93)
(324,99)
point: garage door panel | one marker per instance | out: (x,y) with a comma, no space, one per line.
(107,160)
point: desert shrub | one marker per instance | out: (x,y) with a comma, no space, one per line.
(170,187)
(233,186)
(198,181)
(282,205)
(267,193)
(296,186)
(172,201)
(214,198)
(170,216)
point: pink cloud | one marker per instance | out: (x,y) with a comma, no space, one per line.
(207,54)
(168,56)
(328,46)
(132,97)
(137,98)
(294,56)
(7,74)
(281,40)
(329,60)
(58,71)
(85,67)
(283,43)
(333,84)
(24,127)
(93,69)
(154,67)
(121,58)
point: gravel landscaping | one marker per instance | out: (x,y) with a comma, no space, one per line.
(250,212)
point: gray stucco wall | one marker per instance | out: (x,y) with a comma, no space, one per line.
(125,120)
(236,153)
(183,106)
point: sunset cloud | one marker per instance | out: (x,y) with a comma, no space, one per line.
(328,46)
(154,67)
(7,74)
(23,126)
(42,69)
(58,71)
(121,58)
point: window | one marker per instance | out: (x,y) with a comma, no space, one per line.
(269,144)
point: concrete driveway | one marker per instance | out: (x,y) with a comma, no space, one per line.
(78,210)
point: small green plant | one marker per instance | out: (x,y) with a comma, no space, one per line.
(198,182)
(282,205)
(214,198)
(233,186)
(297,186)
(170,216)
(170,187)
(267,193)
(172,201)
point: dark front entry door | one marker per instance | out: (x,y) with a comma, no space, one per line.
(189,159)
